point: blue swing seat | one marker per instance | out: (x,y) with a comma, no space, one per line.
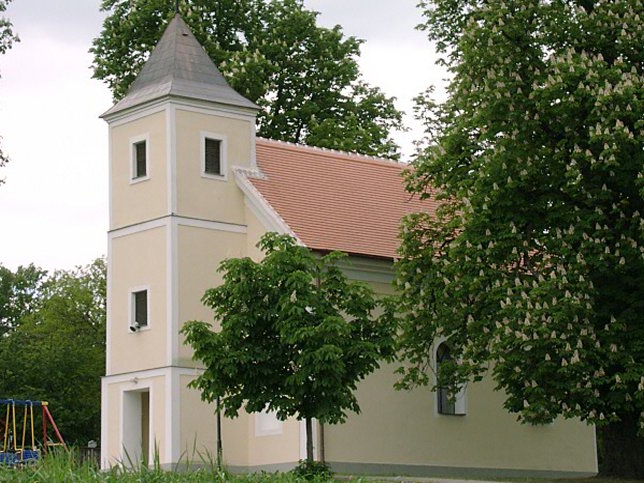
(7,458)
(30,455)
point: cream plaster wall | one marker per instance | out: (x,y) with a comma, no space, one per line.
(255,230)
(200,251)
(142,200)
(403,427)
(138,260)
(206,198)
(199,430)
(114,407)
(198,425)
(274,448)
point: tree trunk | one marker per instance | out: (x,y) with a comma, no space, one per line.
(321,450)
(309,440)
(220,448)
(621,451)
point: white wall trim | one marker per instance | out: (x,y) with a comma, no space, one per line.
(131,291)
(108,309)
(194,105)
(181,220)
(136,113)
(174,441)
(148,373)
(110,180)
(253,145)
(173,294)
(211,225)
(171,155)
(104,437)
(210,108)
(138,227)
(260,207)
(145,137)
(223,155)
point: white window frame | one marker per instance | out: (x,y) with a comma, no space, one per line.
(267,424)
(133,142)
(460,403)
(223,155)
(131,308)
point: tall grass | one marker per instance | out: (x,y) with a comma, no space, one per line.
(64,467)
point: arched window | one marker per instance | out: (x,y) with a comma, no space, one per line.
(450,401)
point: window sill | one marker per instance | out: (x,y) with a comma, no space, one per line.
(139,180)
(216,177)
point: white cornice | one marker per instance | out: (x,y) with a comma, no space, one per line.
(159,104)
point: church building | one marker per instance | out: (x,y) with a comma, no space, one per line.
(190,185)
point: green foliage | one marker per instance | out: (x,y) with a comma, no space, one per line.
(63,467)
(304,77)
(296,336)
(55,350)
(535,259)
(19,295)
(7,38)
(313,470)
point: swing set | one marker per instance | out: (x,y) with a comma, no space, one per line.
(13,453)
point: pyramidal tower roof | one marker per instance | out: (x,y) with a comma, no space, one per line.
(179,66)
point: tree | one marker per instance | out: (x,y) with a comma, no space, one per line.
(19,295)
(57,350)
(7,38)
(534,261)
(296,336)
(304,77)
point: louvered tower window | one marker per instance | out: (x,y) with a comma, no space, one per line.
(140,160)
(213,157)
(140,300)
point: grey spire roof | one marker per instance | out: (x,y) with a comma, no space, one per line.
(179,66)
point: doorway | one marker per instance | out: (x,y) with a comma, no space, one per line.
(136,427)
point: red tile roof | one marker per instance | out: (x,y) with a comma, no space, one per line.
(334,200)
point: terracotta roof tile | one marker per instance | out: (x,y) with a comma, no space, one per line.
(334,200)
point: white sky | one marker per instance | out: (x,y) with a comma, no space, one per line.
(53,205)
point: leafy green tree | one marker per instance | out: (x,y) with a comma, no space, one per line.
(57,351)
(535,259)
(20,293)
(304,77)
(296,336)
(7,38)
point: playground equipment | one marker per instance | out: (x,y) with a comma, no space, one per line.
(13,453)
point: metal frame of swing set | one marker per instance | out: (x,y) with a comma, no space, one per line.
(12,453)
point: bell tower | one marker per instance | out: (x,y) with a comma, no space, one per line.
(175,213)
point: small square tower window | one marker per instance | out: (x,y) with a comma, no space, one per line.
(140,308)
(140,160)
(213,157)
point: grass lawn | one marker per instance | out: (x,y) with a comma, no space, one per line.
(63,468)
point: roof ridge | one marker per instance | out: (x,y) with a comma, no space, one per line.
(335,152)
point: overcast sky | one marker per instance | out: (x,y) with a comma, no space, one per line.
(53,206)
